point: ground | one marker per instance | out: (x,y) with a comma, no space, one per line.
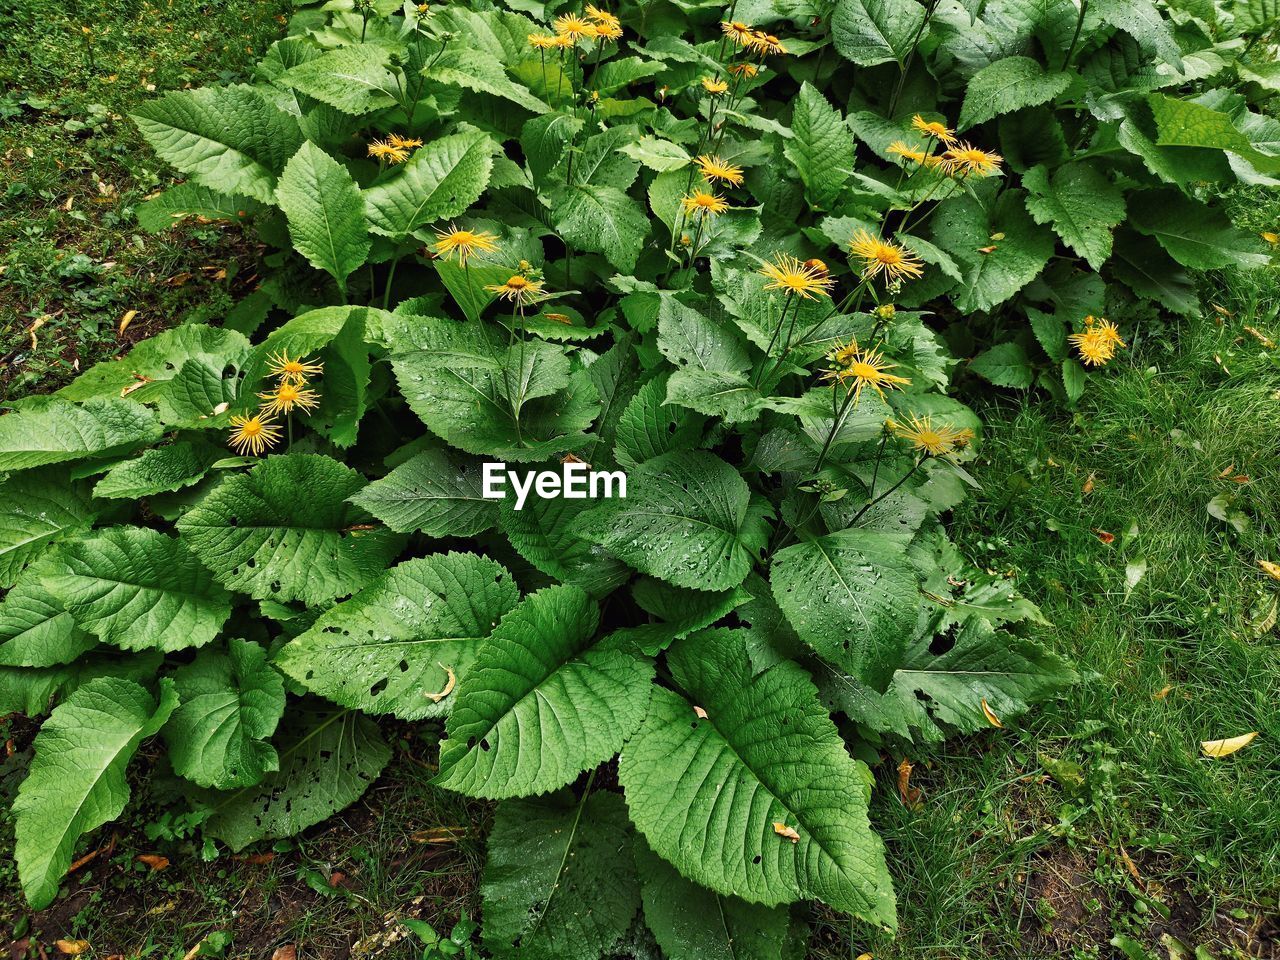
(1091,828)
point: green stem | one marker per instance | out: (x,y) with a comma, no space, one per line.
(391,276)
(1075,37)
(905,477)
(835,428)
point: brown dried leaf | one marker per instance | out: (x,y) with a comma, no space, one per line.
(782,830)
(72,948)
(287,952)
(990,714)
(700,713)
(448,687)
(154,861)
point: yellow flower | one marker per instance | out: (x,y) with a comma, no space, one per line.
(602,16)
(465,243)
(403,143)
(287,396)
(965,158)
(518,288)
(884,257)
(805,280)
(714,86)
(291,369)
(713,168)
(609,31)
(252,435)
(1271,238)
(766,44)
(857,369)
(931,128)
(934,441)
(573,27)
(703,204)
(748,70)
(542,41)
(1098,341)
(387,151)
(900,149)
(737,31)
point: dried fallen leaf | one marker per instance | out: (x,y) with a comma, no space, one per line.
(448,687)
(1261,337)
(866,956)
(154,861)
(1227,471)
(125,321)
(72,948)
(910,795)
(700,713)
(1088,484)
(1162,692)
(782,830)
(1272,570)
(1104,536)
(287,952)
(990,714)
(1223,748)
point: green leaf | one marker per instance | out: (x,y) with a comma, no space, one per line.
(193,200)
(688,518)
(545,534)
(650,427)
(559,882)
(483,73)
(1008,85)
(1050,331)
(1255,16)
(327,762)
(687,337)
(656,154)
(137,589)
(38,508)
(707,791)
(402,643)
(820,147)
(542,702)
(1141,263)
(1142,20)
(441,180)
(352,78)
(870,32)
(437,492)
(965,229)
(284,531)
(601,219)
(304,335)
(1185,123)
(939,694)
(693,923)
(1073,379)
(230,139)
(158,470)
(35,630)
(57,431)
(325,213)
(1005,365)
(32,691)
(77,778)
(231,703)
(1081,203)
(1196,235)
(543,141)
(852,596)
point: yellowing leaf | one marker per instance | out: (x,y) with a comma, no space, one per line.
(782,830)
(1272,570)
(990,714)
(154,861)
(1223,748)
(448,687)
(72,948)
(126,320)
(1162,692)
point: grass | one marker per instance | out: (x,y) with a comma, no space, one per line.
(1091,828)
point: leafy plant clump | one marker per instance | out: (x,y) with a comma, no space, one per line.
(549,237)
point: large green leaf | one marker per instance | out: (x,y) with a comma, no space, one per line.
(57,431)
(158,470)
(545,533)
(192,200)
(77,778)
(285,531)
(650,427)
(559,883)
(231,703)
(1196,235)
(706,791)
(441,180)
(38,508)
(1081,203)
(934,695)
(325,212)
(1186,123)
(1008,85)
(869,32)
(691,922)
(688,518)
(137,589)
(1143,21)
(820,147)
(230,139)
(968,231)
(402,643)
(352,78)
(482,72)
(35,630)
(542,702)
(437,492)
(852,596)
(327,762)
(601,219)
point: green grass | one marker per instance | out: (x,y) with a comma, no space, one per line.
(1091,820)
(73,262)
